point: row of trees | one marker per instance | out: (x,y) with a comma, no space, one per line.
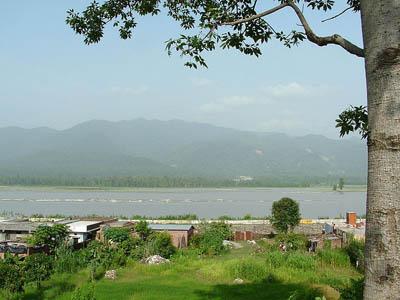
(165,181)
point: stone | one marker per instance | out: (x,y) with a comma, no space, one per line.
(238,281)
(232,245)
(251,242)
(110,274)
(155,260)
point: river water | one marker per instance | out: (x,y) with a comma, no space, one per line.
(205,203)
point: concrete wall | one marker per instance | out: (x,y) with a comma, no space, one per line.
(263,229)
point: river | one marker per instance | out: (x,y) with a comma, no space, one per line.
(205,203)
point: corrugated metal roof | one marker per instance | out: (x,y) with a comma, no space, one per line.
(172,227)
(18,226)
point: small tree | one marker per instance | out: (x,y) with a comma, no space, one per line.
(335,187)
(142,229)
(52,236)
(285,214)
(117,235)
(341,184)
(38,267)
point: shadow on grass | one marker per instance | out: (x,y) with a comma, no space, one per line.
(260,290)
(48,291)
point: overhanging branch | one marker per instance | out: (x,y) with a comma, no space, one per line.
(334,39)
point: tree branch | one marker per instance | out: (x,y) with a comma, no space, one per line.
(335,39)
(323,41)
(338,15)
(257,16)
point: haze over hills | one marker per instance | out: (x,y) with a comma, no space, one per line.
(175,148)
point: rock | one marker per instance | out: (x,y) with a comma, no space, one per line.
(251,242)
(155,260)
(238,281)
(111,274)
(232,245)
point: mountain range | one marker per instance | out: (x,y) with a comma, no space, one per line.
(175,148)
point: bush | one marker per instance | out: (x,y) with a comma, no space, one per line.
(292,241)
(285,214)
(354,291)
(142,229)
(38,267)
(275,259)
(68,261)
(52,236)
(355,251)
(117,235)
(210,240)
(159,243)
(11,274)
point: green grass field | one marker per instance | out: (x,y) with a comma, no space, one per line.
(266,274)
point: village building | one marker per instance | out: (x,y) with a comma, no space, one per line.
(16,230)
(180,233)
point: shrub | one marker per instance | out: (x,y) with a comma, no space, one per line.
(38,267)
(354,291)
(285,214)
(159,243)
(11,274)
(117,235)
(52,236)
(68,261)
(355,251)
(210,240)
(142,229)
(292,241)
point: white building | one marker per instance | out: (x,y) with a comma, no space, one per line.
(81,231)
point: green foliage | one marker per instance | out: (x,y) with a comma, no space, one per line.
(142,229)
(117,235)
(353,119)
(84,293)
(68,261)
(355,250)
(341,184)
(249,269)
(333,257)
(202,18)
(285,214)
(210,240)
(52,236)
(159,243)
(293,241)
(38,267)
(354,291)
(11,274)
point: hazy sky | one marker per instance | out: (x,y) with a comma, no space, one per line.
(50,78)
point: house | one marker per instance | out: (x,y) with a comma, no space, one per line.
(15,230)
(81,231)
(320,242)
(180,233)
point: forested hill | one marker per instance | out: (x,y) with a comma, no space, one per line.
(176,149)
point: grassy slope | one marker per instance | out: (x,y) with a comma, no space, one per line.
(189,277)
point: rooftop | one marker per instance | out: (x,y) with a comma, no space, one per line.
(172,227)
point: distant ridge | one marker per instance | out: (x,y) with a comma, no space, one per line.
(174,148)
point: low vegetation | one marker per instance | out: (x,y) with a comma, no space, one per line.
(206,270)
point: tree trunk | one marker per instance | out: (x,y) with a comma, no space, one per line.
(381,31)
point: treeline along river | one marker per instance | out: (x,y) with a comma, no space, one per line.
(205,203)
